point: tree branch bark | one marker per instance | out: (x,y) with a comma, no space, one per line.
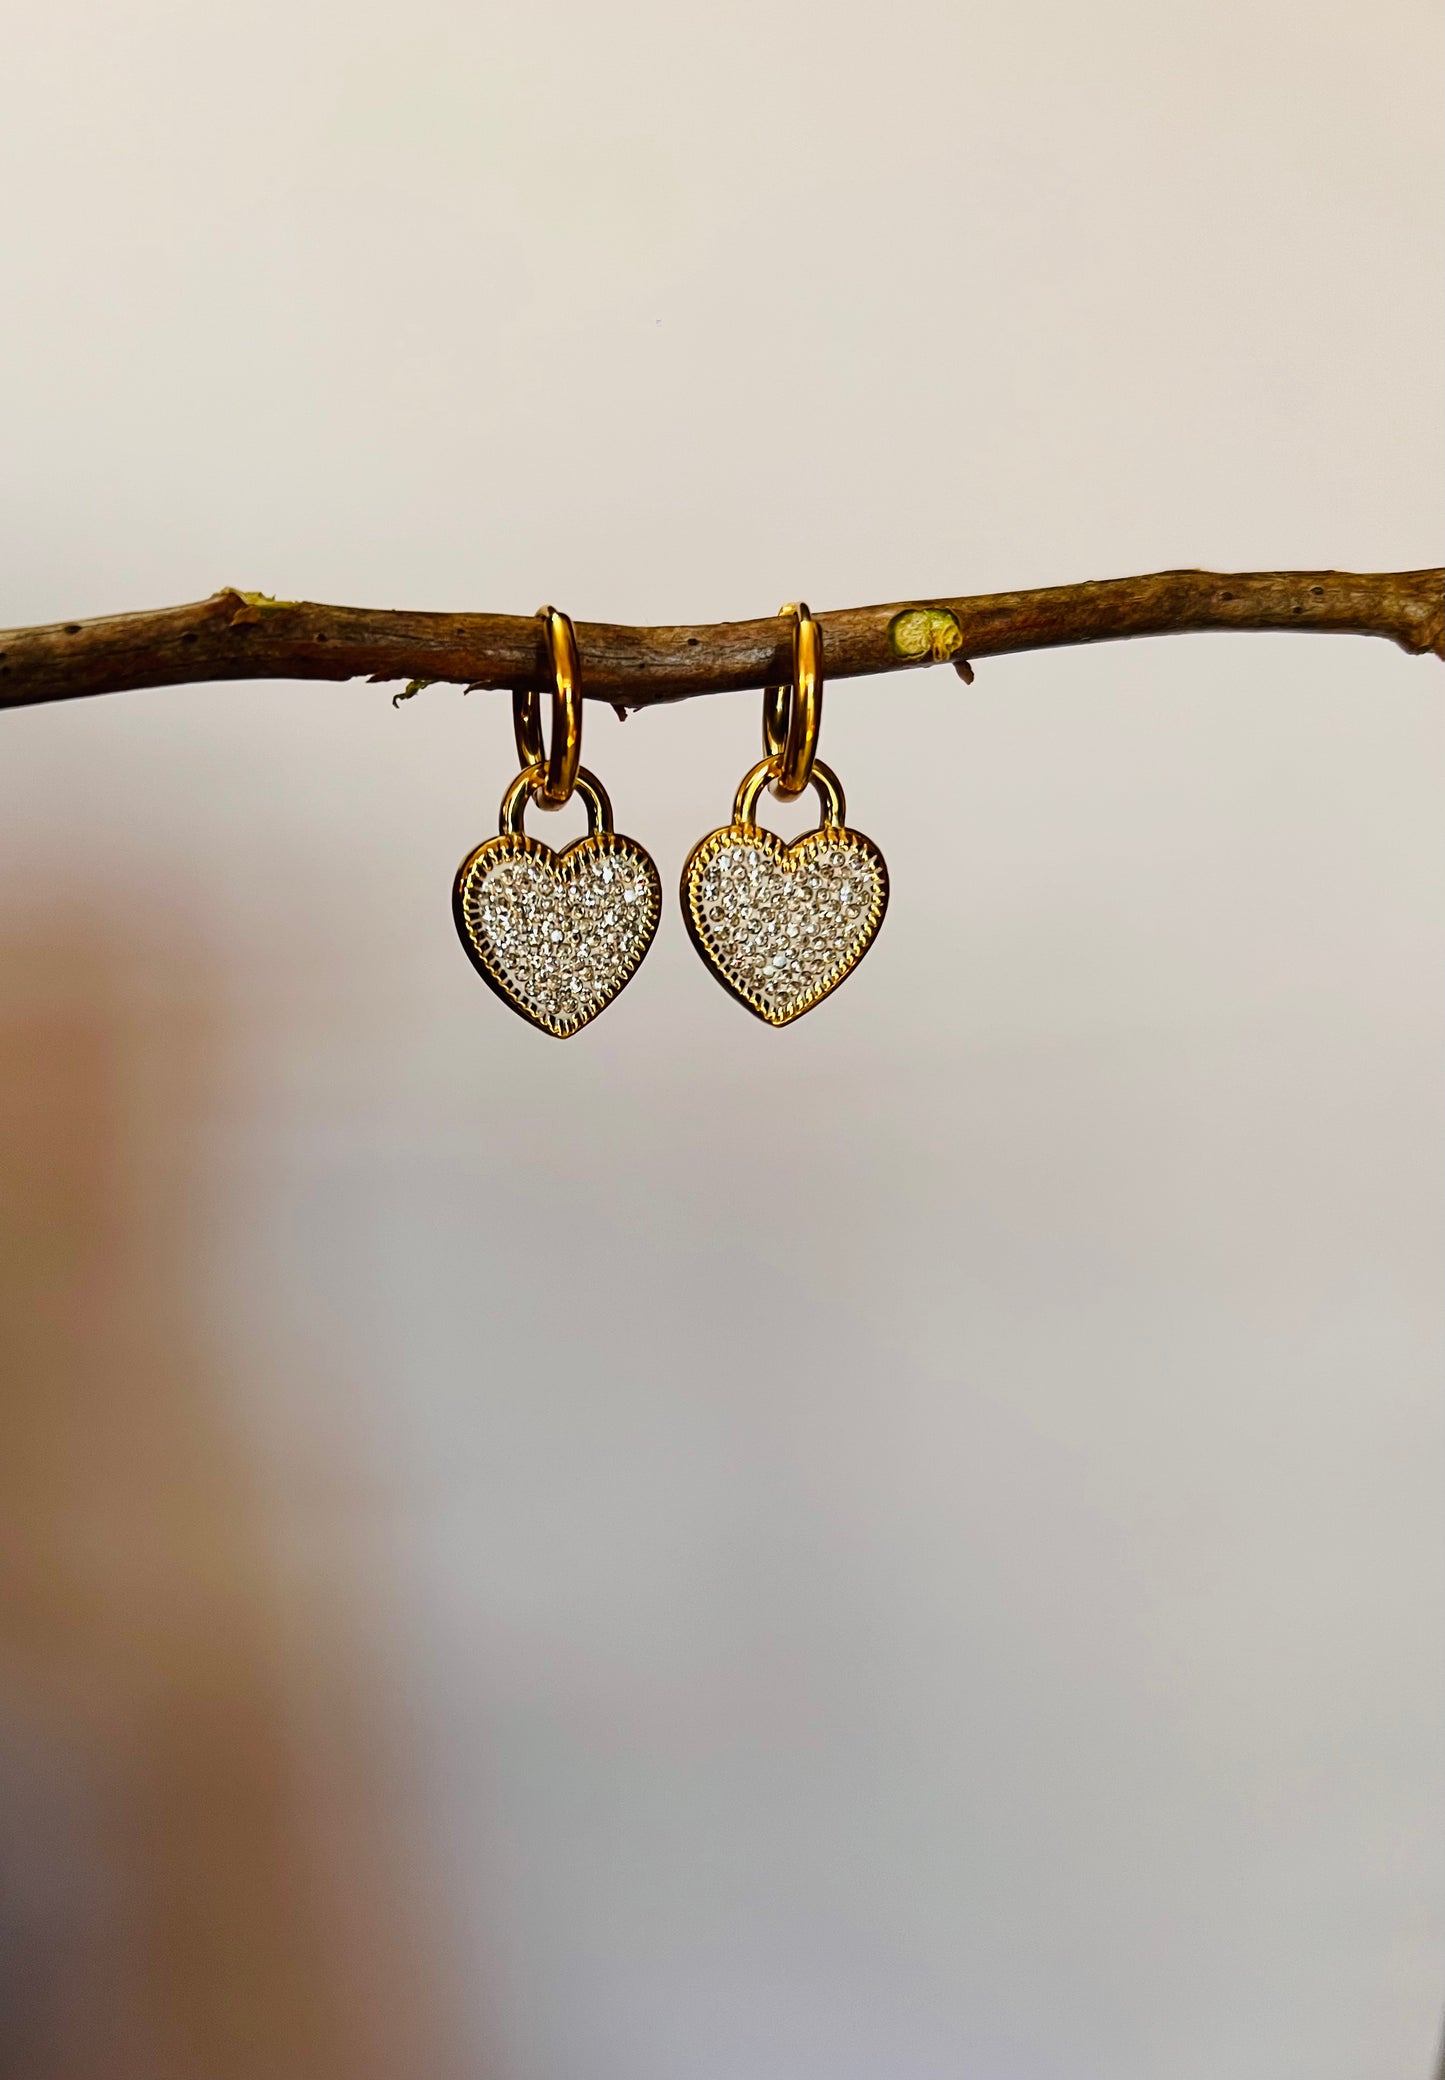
(244,635)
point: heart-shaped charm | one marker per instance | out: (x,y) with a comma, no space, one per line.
(782,925)
(557,934)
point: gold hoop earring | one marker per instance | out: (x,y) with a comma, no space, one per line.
(793,714)
(565,672)
(780,926)
(556,935)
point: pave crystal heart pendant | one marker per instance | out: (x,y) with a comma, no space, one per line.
(782,925)
(557,934)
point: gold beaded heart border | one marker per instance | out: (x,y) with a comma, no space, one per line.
(830,838)
(563,868)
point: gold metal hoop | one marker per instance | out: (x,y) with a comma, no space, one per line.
(822,779)
(527,787)
(793,714)
(527,726)
(564,759)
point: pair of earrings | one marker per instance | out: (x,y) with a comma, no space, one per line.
(557,935)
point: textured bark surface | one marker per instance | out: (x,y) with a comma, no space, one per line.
(243,635)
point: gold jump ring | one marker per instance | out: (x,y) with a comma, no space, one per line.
(793,714)
(527,787)
(565,756)
(823,780)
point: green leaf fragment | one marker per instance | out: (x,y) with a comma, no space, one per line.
(931,632)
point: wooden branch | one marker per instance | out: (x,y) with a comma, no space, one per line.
(246,635)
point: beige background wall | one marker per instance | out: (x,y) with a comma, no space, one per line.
(903,1549)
